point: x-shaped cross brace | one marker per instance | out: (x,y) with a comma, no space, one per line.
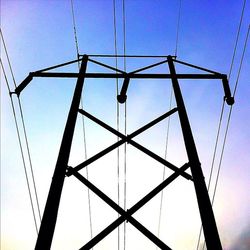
(128,139)
(127,215)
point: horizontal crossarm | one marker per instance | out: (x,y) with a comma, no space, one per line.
(122,75)
(127,215)
(135,144)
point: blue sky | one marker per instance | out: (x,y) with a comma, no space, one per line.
(39,34)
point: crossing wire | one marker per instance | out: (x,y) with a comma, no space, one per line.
(220,119)
(117,117)
(164,168)
(83,121)
(74,28)
(228,120)
(178,28)
(125,119)
(169,119)
(24,128)
(229,117)
(21,147)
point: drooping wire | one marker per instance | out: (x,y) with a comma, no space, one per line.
(229,116)
(125,119)
(8,59)
(178,29)
(164,168)
(237,38)
(117,117)
(83,122)
(228,120)
(213,161)
(230,113)
(74,28)
(21,147)
(221,117)
(169,119)
(24,128)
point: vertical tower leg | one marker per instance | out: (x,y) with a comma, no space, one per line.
(48,223)
(205,207)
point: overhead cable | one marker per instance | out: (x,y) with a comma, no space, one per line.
(221,116)
(74,28)
(230,113)
(178,28)
(169,119)
(21,148)
(83,121)
(125,119)
(24,128)
(117,118)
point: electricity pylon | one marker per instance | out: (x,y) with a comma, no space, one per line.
(62,169)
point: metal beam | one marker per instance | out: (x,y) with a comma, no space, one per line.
(148,67)
(131,211)
(48,223)
(117,144)
(205,207)
(135,144)
(27,80)
(118,209)
(124,75)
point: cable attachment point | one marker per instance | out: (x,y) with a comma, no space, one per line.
(121,98)
(228,97)
(229,100)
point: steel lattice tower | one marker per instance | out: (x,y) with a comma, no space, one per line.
(62,169)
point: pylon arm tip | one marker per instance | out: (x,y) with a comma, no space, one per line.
(23,84)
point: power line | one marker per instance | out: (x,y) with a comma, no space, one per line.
(237,38)
(178,29)
(164,168)
(7,55)
(74,28)
(169,119)
(124,32)
(24,129)
(125,119)
(83,121)
(213,160)
(117,117)
(230,114)
(220,120)
(21,148)
(229,119)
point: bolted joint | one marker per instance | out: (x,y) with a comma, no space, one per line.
(69,171)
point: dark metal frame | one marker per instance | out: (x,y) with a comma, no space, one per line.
(62,169)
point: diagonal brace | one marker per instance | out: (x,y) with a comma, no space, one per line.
(117,144)
(127,215)
(128,139)
(117,208)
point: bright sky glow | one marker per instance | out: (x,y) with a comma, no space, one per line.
(39,34)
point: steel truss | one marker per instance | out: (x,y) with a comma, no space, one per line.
(62,169)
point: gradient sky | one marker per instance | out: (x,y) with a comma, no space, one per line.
(39,34)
